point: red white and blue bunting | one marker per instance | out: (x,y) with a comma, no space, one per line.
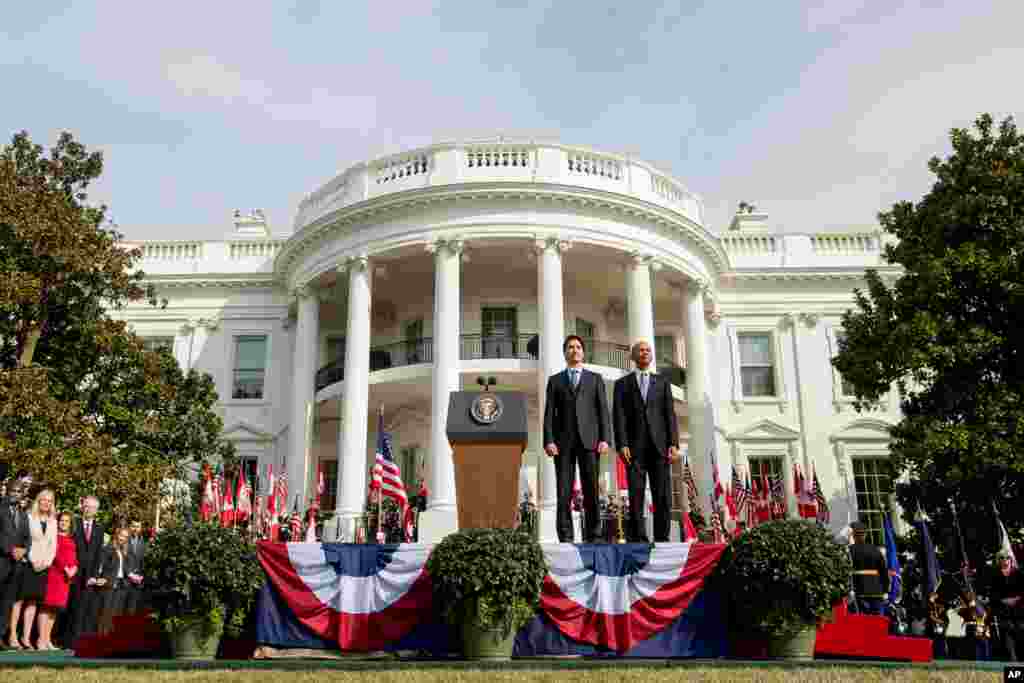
(367,597)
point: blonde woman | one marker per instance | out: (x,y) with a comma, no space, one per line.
(43,528)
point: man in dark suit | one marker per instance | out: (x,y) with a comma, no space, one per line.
(84,599)
(647,436)
(134,575)
(576,432)
(15,540)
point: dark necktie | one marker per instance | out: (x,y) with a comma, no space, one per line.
(42,523)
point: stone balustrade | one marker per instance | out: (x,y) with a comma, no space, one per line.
(498,161)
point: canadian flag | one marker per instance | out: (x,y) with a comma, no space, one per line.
(207,503)
(320,488)
(689,531)
(227,508)
(273,525)
(243,498)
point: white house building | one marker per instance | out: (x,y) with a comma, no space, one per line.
(408,277)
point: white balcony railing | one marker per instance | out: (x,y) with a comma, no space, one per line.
(498,161)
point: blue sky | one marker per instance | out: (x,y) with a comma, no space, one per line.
(820,113)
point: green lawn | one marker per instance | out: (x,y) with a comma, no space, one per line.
(675,674)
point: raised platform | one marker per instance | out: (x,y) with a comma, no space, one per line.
(602,600)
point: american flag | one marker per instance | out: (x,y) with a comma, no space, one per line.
(281,492)
(778,497)
(819,496)
(691,485)
(739,492)
(390,473)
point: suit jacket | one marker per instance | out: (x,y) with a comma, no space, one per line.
(89,552)
(11,538)
(110,564)
(630,409)
(591,414)
(137,556)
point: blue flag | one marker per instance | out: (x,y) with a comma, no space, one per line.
(929,560)
(892,560)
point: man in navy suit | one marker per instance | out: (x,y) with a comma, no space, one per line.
(576,432)
(647,436)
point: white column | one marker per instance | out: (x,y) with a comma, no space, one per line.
(307,328)
(355,399)
(441,516)
(552,359)
(640,302)
(698,388)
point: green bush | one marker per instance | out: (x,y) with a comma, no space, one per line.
(212,572)
(783,576)
(497,571)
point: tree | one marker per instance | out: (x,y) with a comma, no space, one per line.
(946,334)
(84,406)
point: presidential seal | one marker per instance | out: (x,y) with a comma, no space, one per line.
(486,408)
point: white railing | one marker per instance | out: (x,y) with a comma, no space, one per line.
(498,160)
(594,165)
(171,251)
(263,249)
(749,245)
(497,157)
(842,244)
(404,166)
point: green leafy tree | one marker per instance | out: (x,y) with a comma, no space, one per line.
(84,406)
(946,333)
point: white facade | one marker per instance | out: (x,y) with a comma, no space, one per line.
(439,265)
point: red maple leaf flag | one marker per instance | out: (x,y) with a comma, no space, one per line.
(227,508)
(243,498)
(206,504)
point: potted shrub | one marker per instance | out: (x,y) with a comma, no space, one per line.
(487,585)
(781,580)
(206,579)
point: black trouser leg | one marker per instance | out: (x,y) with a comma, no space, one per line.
(658,473)
(565,475)
(587,461)
(637,475)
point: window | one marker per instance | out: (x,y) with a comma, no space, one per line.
(329,497)
(665,350)
(872,480)
(770,466)
(757,369)
(251,468)
(846,388)
(250,366)
(415,345)
(335,349)
(158,344)
(586,330)
(499,327)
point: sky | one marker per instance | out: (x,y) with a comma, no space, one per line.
(820,113)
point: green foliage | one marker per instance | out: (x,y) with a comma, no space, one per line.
(782,577)
(498,572)
(82,404)
(213,571)
(946,331)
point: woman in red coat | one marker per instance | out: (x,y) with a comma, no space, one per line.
(62,573)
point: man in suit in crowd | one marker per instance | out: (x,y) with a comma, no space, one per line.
(134,570)
(85,600)
(15,541)
(576,432)
(647,436)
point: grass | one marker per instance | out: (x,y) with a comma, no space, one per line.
(661,674)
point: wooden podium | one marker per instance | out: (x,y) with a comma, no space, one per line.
(488,434)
